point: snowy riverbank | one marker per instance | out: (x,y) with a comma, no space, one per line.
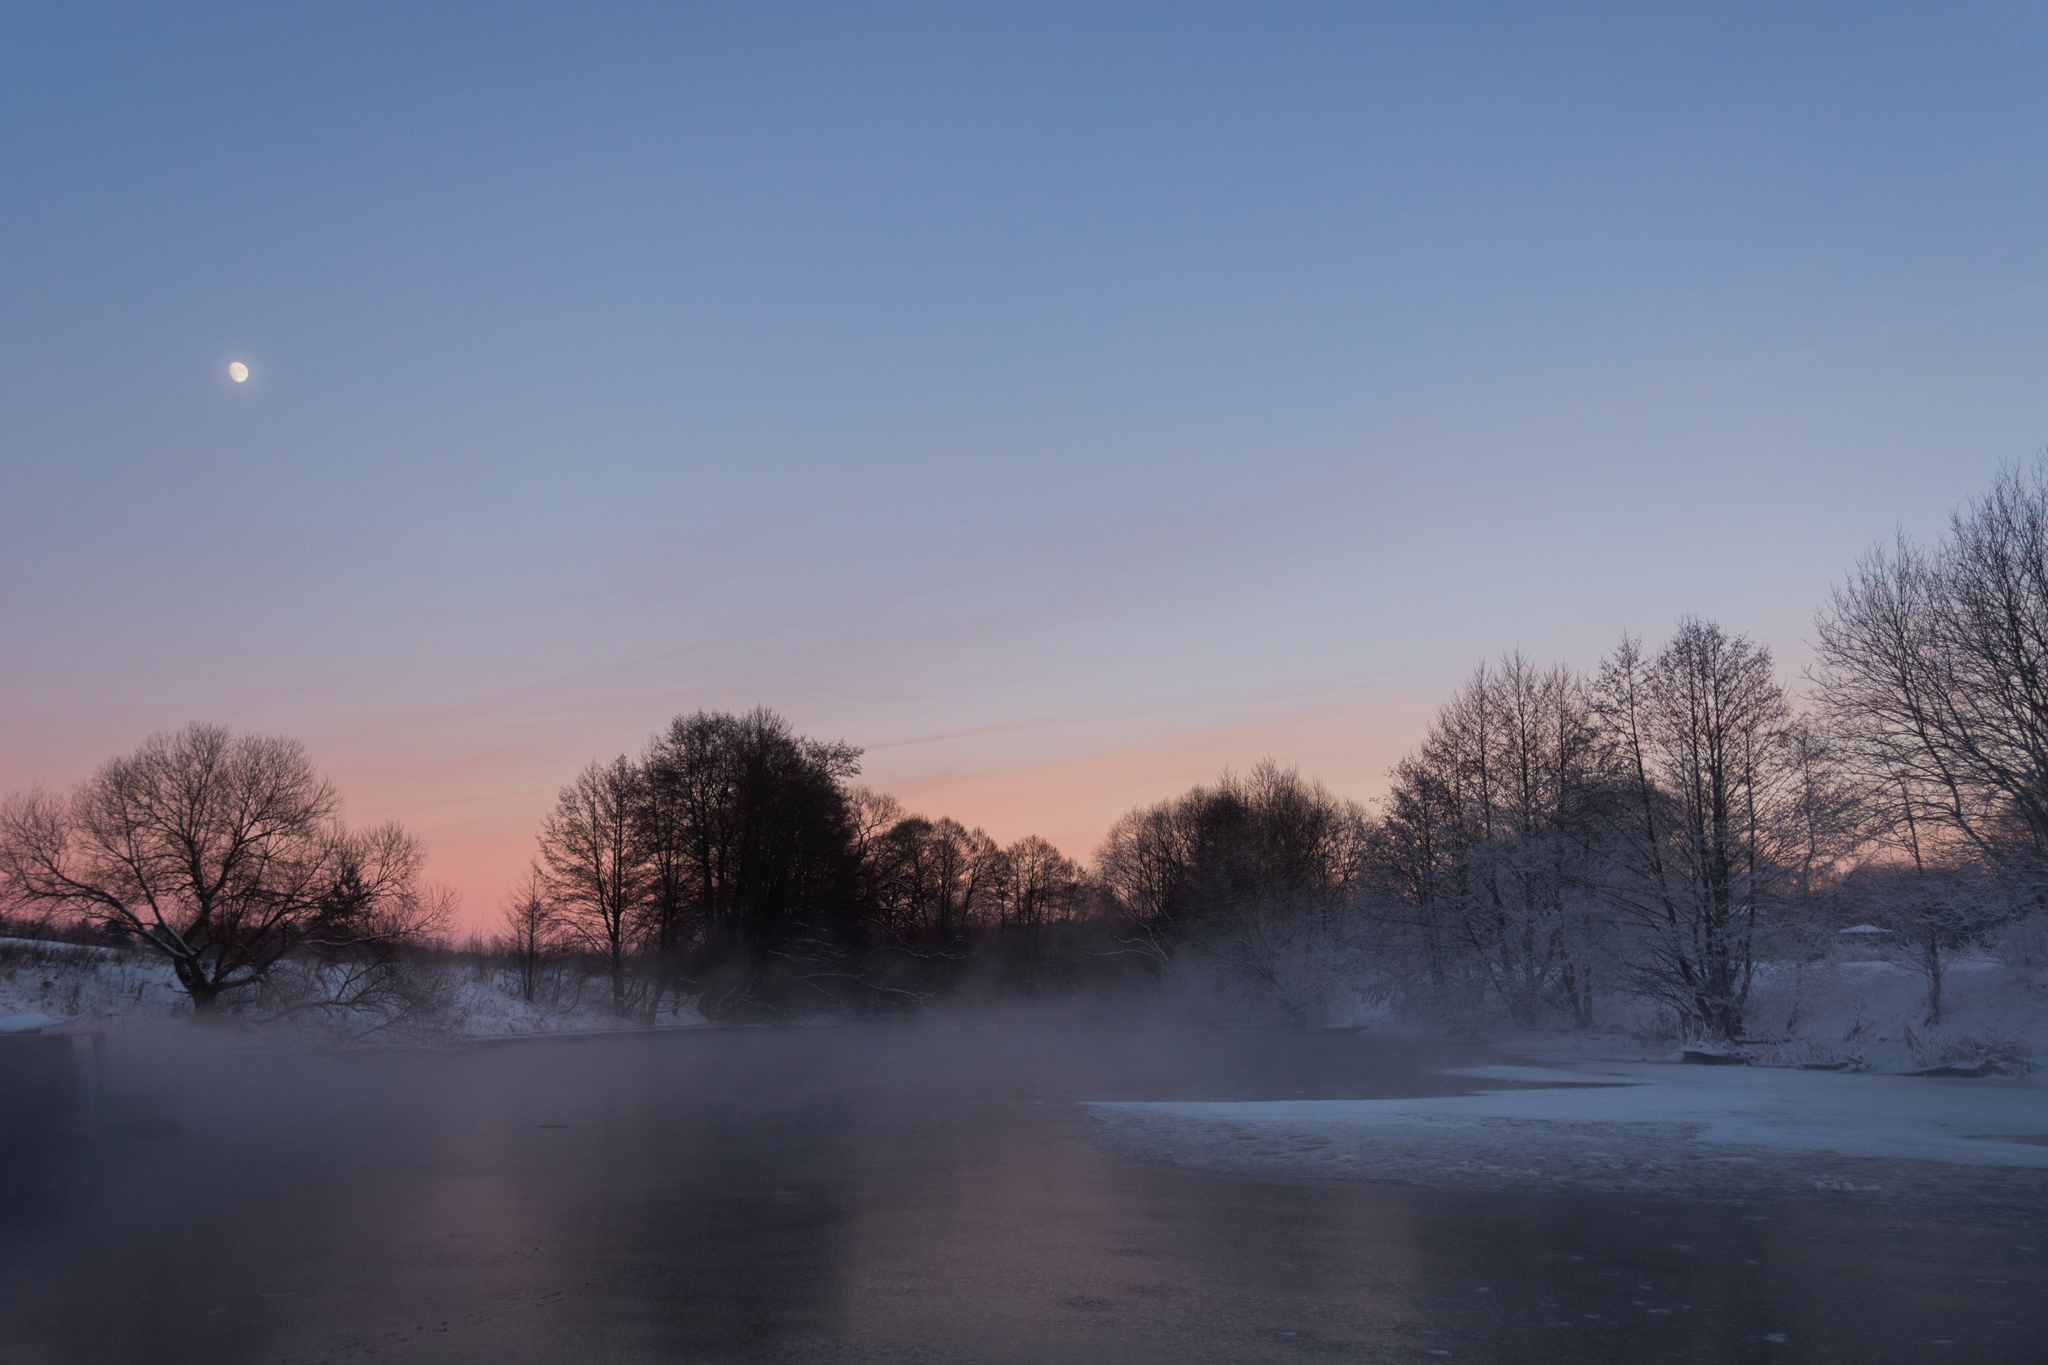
(104,987)
(1870,1013)
(1617,1114)
(1857,1014)
(1606,1122)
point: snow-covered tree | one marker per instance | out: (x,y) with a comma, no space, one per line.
(1705,823)
(1491,842)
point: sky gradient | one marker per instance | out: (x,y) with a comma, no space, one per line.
(1059,401)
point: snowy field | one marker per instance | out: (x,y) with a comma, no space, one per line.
(1869,1013)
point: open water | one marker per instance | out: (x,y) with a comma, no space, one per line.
(926,1192)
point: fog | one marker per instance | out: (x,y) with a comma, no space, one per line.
(896,1190)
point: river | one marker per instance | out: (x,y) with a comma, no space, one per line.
(926,1191)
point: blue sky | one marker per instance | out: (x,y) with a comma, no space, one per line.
(1092,394)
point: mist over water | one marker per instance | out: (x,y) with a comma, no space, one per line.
(899,1190)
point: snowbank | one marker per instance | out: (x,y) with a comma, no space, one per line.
(1621,1115)
(1610,1125)
(97,986)
(489,1007)
(1871,1013)
(1754,1109)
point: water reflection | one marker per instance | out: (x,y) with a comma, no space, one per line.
(884,1193)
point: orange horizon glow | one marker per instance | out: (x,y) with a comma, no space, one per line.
(480,812)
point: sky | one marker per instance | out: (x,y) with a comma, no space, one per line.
(1061,401)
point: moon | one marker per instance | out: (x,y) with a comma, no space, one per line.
(237,371)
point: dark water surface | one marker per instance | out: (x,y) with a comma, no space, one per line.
(893,1192)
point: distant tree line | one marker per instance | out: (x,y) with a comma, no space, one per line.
(1653,829)
(735,865)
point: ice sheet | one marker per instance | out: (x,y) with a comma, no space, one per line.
(1848,1115)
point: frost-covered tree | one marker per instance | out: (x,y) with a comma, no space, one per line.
(1492,842)
(1705,824)
(1934,667)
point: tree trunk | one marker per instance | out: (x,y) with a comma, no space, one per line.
(1931,965)
(204,994)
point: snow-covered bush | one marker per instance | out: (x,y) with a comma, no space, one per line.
(2008,1052)
(2023,942)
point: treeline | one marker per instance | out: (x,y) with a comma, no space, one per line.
(1554,837)
(735,866)
(1659,827)
(1654,829)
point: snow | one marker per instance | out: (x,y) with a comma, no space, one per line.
(1865,1010)
(1752,1108)
(99,987)
(100,984)
(489,1007)
(1635,1120)
(1739,1135)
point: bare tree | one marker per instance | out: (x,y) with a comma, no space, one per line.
(1832,808)
(1933,665)
(1037,885)
(1931,912)
(1251,875)
(1213,850)
(663,834)
(220,852)
(1145,865)
(873,814)
(1492,840)
(1936,666)
(532,930)
(595,863)
(1413,859)
(933,879)
(1706,824)
(370,983)
(1037,896)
